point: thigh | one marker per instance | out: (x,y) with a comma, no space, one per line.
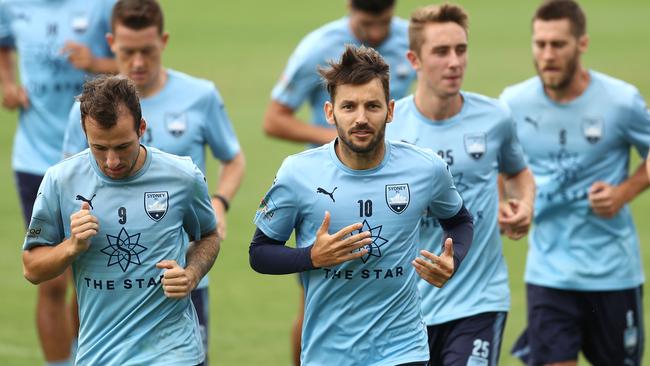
(614,329)
(27,186)
(201,303)
(554,331)
(474,341)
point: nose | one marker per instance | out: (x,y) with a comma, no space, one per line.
(454,59)
(548,53)
(138,60)
(112,159)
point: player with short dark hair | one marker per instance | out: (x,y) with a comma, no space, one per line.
(476,137)
(184,113)
(583,271)
(120,214)
(58,44)
(359,264)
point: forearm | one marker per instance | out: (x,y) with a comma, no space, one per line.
(635,184)
(460,229)
(231,175)
(270,256)
(280,122)
(520,186)
(7,67)
(201,255)
(102,65)
(45,262)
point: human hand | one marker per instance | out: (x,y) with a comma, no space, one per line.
(330,250)
(437,270)
(514,218)
(83,226)
(177,281)
(605,199)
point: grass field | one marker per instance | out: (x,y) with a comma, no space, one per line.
(242,47)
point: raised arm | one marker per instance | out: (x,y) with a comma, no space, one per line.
(280,121)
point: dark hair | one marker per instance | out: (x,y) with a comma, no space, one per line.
(563,9)
(137,14)
(104,97)
(372,6)
(444,13)
(358,66)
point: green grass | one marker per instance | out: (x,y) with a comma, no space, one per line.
(242,47)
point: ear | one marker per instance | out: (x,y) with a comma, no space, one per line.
(583,43)
(110,39)
(165,39)
(391,110)
(329,113)
(413,60)
(143,127)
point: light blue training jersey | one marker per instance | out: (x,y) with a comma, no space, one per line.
(124,315)
(184,117)
(570,146)
(301,82)
(478,143)
(38,30)
(366,311)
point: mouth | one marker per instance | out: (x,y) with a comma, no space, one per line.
(362,134)
(114,171)
(137,75)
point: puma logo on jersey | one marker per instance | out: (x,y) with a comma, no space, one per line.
(89,201)
(531,121)
(331,195)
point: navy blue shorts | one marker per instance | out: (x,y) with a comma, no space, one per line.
(27,186)
(607,326)
(471,341)
(201,302)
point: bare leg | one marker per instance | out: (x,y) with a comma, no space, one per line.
(296,333)
(53,319)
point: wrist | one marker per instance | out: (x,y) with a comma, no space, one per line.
(223,200)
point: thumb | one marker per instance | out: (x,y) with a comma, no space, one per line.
(168,264)
(449,248)
(597,186)
(514,204)
(324,227)
(85,206)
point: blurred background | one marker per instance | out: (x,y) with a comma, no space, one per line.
(243,48)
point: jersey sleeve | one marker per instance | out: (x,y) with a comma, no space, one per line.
(298,81)
(46,225)
(199,217)
(445,201)
(637,125)
(511,155)
(6,36)
(277,214)
(219,133)
(74,140)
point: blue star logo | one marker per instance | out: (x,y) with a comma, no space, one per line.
(123,249)
(374,248)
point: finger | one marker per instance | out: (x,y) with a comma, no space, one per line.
(598,186)
(353,256)
(86,234)
(353,239)
(168,264)
(355,246)
(449,248)
(176,295)
(176,289)
(325,225)
(339,235)
(175,281)
(425,275)
(430,256)
(85,205)
(85,227)
(23,99)
(514,220)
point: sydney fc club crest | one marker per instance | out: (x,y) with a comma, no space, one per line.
(176,123)
(398,197)
(475,145)
(156,204)
(592,128)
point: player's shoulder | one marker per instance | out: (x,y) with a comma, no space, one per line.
(73,165)
(617,90)
(304,161)
(495,108)
(399,27)
(179,167)
(405,153)
(523,91)
(318,44)
(186,82)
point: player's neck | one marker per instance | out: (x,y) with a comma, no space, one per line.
(360,161)
(578,84)
(437,108)
(139,161)
(156,86)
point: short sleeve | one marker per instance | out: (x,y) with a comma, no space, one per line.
(298,81)
(199,218)
(46,225)
(74,140)
(446,201)
(637,125)
(511,155)
(219,132)
(277,214)
(6,36)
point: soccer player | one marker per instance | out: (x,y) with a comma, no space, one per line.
(356,204)
(475,136)
(369,22)
(583,271)
(120,214)
(59,43)
(184,113)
